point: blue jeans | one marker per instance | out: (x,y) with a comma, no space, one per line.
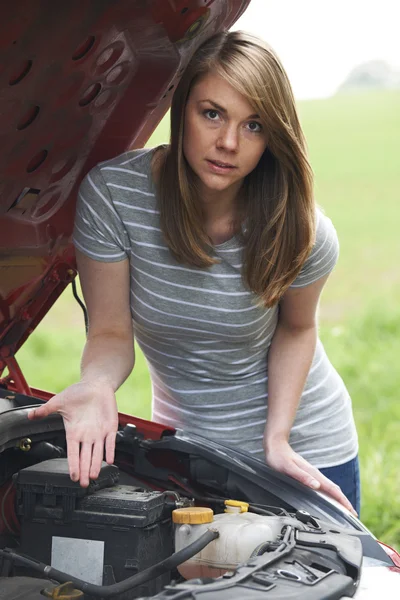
(347,477)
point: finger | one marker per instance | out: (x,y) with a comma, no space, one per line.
(110,447)
(330,488)
(44,410)
(97,458)
(327,486)
(85,462)
(302,475)
(73,459)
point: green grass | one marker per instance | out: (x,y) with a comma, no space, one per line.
(354,148)
(365,349)
(353,142)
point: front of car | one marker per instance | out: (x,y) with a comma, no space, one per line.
(118,538)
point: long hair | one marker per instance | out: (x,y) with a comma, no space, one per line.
(278,203)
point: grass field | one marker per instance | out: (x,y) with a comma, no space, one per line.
(354,149)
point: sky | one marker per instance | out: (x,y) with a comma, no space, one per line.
(320,41)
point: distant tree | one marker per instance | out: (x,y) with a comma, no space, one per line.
(374,74)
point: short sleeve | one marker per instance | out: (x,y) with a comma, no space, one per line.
(98,230)
(323,256)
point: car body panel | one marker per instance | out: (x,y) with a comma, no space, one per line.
(83,81)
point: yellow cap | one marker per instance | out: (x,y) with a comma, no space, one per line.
(193,515)
(244,506)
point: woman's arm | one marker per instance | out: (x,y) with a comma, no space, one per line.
(289,361)
(89,407)
(106,290)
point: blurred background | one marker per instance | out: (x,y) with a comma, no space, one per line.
(343,59)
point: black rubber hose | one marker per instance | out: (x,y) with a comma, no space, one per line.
(261,511)
(108,591)
(81,304)
(260,549)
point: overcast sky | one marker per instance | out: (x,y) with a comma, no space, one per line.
(320,41)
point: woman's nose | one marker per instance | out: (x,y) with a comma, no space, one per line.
(228,138)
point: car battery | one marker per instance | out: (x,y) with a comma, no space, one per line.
(102,534)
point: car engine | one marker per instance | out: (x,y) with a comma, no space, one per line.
(117,539)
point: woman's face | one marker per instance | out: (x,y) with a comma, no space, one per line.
(223,138)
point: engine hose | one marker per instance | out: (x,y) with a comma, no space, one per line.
(261,511)
(108,591)
(272,546)
(260,549)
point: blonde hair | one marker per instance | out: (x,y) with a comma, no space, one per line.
(278,204)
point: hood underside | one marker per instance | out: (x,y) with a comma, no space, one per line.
(82,81)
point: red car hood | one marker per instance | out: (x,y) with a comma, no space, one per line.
(82,82)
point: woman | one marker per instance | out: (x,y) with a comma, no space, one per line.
(212,253)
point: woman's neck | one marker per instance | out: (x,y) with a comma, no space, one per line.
(221,212)
(219,204)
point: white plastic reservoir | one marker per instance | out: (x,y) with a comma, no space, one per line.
(240,533)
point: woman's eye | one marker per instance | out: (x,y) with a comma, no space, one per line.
(254,127)
(211,114)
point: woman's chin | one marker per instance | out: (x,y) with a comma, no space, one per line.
(214,185)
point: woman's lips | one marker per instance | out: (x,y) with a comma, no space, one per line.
(220,167)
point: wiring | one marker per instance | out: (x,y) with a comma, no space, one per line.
(81,304)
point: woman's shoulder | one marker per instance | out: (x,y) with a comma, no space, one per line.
(134,165)
(120,182)
(324,253)
(324,230)
(136,162)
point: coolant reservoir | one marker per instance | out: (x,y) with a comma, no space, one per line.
(240,532)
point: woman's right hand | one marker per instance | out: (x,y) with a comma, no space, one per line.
(90,415)
(89,408)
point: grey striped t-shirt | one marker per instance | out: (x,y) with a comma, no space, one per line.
(204,335)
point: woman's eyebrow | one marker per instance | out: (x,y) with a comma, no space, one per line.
(223,110)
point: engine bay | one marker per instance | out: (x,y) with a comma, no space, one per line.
(118,537)
(103,539)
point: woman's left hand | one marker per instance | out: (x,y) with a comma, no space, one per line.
(281,457)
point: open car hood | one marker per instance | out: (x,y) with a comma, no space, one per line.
(82,81)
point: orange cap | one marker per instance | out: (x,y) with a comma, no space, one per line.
(195,515)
